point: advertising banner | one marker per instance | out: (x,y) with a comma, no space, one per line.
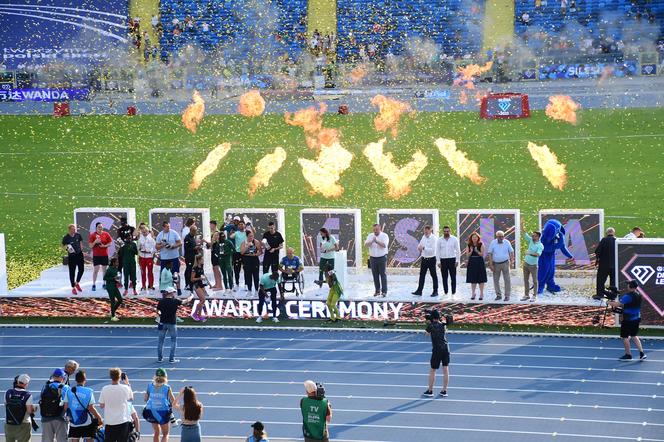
(643,260)
(343,224)
(486,223)
(505,106)
(583,230)
(86,218)
(45,94)
(587,70)
(405,228)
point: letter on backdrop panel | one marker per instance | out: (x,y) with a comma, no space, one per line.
(405,228)
(486,223)
(86,218)
(583,230)
(343,224)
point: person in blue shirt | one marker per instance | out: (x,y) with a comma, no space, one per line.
(80,408)
(168,245)
(259,434)
(630,303)
(159,400)
(290,266)
(51,407)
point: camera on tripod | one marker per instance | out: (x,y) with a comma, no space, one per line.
(431,314)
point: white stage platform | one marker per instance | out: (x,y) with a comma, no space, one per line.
(578,290)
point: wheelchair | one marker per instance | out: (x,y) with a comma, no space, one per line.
(293,284)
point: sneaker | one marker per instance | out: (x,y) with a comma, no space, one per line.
(73,291)
(203,318)
(103,286)
(384,295)
(275,319)
(507,298)
(173,361)
(115,319)
(151,289)
(434,294)
(377,294)
(428,393)
(525,298)
(533,299)
(416,293)
(642,356)
(160,360)
(94,288)
(234,289)
(498,298)
(157,319)
(195,317)
(259,319)
(179,320)
(126,292)
(78,287)
(625,357)
(443,393)
(135,293)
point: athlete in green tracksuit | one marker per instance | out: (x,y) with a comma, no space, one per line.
(336,291)
(129,253)
(111,279)
(226,250)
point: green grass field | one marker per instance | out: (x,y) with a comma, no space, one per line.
(51,166)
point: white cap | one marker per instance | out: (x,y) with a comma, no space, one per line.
(237,218)
(23,379)
(170,290)
(310,386)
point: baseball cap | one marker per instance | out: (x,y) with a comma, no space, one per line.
(310,386)
(23,379)
(160,372)
(170,290)
(258,425)
(237,218)
(58,373)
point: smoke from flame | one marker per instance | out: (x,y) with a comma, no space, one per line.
(252,104)
(552,170)
(311,120)
(398,179)
(323,174)
(209,165)
(193,114)
(562,107)
(390,112)
(266,168)
(458,160)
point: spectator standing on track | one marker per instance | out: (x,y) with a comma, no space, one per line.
(112,280)
(70,368)
(18,408)
(116,399)
(51,407)
(630,302)
(605,256)
(72,242)
(268,284)
(327,245)
(476,268)
(378,242)
(168,245)
(501,256)
(84,419)
(167,309)
(251,249)
(448,253)
(159,402)
(427,248)
(440,353)
(273,242)
(99,241)
(129,254)
(190,250)
(316,414)
(192,412)
(530,264)
(147,248)
(259,434)
(238,236)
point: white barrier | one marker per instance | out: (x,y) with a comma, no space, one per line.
(3,266)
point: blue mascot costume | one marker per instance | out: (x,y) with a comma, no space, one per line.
(553,238)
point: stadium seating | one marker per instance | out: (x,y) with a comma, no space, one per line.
(236,21)
(452,24)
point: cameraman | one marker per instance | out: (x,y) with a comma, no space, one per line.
(18,409)
(440,352)
(316,413)
(630,303)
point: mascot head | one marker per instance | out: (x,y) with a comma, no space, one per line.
(553,233)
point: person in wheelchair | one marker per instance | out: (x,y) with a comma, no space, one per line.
(291,273)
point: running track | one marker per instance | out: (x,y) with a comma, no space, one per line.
(503,388)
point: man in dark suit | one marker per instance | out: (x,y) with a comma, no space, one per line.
(605,260)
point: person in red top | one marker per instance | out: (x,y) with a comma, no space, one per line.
(99,241)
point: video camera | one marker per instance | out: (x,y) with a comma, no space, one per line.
(33,422)
(320,391)
(610,293)
(431,314)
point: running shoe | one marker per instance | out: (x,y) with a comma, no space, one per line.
(275,319)
(126,292)
(443,393)
(173,361)
(94,288)
(115,319)
(625,357)
(78,287)
(428,393)
(642,356)
(259,319)
(135,293)
(73,291)
(179,320)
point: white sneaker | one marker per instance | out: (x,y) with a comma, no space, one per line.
(259,319)
(275,319)
(115,319)
(246,288)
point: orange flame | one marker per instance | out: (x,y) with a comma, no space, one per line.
(193,114)
(463,97)
(468,73)
(552,170)
(324,173)
(398,179)
(607,72)
(252,104)
(209,165)
(390,112)
(266,168)
(311,120)
(459,161)
(358,73)
(562,107)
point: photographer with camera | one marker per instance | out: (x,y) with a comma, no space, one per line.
(51,407)
(440,350)
(19,411)
(630,306)
(316,413)
(168,245)
(84,419)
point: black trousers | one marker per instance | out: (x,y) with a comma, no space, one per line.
(117,433)
(187,274)
(602,274)
(237,266)
(251,271)
(75,261)
(270,261)
(262,294)
(448,267)
(428,265)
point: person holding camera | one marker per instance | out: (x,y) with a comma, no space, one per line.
(19,409)
(316,413)
(116,400)
(168,245)
(72,242)
(238,235)
(167,309)
(51,408)
(251,249)
(99,241)
(440,352)
(630,304)
(84,419)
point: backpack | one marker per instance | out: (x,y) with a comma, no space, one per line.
(15,406)
(49,402)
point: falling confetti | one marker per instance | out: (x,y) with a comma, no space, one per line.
(552,170)
(193,114)
(311,120)
(266,168)
(324,173)
(459,161)
(398,179)
(562,107)
(389,114)
(209,165)
(252,104)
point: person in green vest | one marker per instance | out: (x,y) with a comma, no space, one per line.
(336,291)
(316,414)
(226,251)
(112,280)
(129,254)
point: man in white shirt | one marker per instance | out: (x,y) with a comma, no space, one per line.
(115,400)
(147,248)
(501,257)
(635,233)
(427,249)
(448,253)
(377,242)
